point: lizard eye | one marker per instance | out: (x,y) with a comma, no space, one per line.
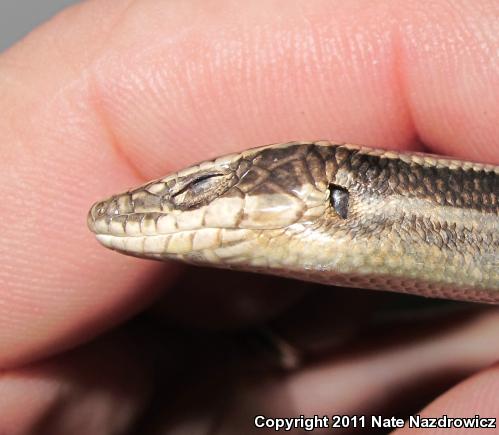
(339,200)
(201,190)
(201,184)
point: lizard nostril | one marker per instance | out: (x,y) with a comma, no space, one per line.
(100,208)
(97,210)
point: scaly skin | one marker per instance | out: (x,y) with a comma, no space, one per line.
(335,214)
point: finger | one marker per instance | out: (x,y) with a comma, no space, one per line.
(242,77)
(450,74)
(398,373)
(57,287)
(158,86)
(402,369)
(476,396)
(100,388)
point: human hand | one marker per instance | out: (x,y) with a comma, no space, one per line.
(112,93)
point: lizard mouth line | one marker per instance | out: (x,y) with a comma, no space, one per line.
(181,242)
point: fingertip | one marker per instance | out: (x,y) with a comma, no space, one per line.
(476,396)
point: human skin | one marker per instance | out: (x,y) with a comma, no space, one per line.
(111,93)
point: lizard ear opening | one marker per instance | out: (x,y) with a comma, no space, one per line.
(339,200)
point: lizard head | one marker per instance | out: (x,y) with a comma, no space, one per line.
(228,211)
